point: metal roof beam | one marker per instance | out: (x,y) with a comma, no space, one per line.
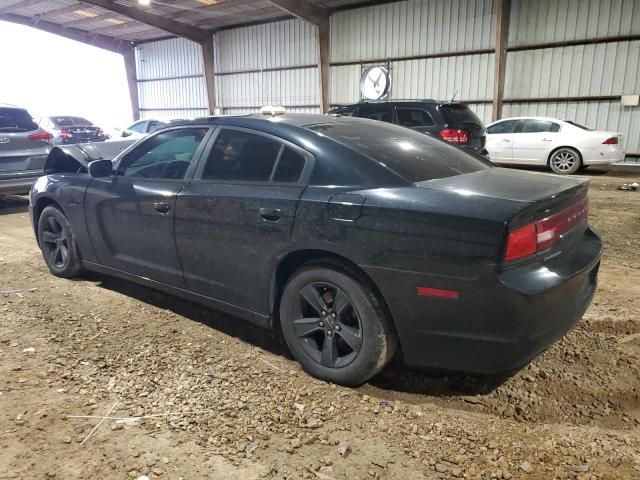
(163,23)
(303,10)
(97,40)
(21,4)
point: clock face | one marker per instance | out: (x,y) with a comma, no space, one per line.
(375,83)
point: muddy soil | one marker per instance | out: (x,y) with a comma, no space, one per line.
(215,398)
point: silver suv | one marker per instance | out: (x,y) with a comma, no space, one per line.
(24,148)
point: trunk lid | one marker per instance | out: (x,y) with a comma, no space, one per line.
(553,209)
(84,133)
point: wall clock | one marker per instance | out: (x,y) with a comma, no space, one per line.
(375,83)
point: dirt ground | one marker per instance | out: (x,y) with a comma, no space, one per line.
(220,399)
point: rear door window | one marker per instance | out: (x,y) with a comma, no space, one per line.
(414,117)
(539,126)
(241,156)
(507,126)
(289,167)
(16,120)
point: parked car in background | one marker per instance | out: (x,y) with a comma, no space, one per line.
(472,267)
(451,121)
(562,145)
(141,128)
(24,148)
(69,129)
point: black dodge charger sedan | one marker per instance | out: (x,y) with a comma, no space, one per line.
(356,238)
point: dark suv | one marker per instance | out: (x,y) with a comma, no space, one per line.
(453,122)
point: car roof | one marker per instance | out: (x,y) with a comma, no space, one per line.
(291,119)
(549,119)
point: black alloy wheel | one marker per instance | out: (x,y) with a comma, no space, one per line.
(327,325)
(57,243)
(335,324)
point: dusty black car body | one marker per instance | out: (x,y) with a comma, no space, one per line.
(432,250)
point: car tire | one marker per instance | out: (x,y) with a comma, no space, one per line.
(348,344)
(58,244)
(565,161)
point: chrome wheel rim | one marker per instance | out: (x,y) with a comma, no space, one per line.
(55,243)
(327,325)
(564,160)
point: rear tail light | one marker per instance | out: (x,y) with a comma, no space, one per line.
(44,136)
(455,135)
(611,141)
(540,235)
(64,132)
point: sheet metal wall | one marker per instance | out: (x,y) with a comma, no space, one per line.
(170,79)
(409,29)
(260,49)
(606,69)
(275,63)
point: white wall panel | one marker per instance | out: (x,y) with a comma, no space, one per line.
(278,45)
(168,58)
(174,114)
(170,79)
(280,87)
(415,27)
(471,76)
(271,45)
(239,111)
(541,21)
(174,93)
(602,69)
(610,116)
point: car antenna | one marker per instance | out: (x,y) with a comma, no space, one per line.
(454,96)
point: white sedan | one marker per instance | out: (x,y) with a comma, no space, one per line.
(563,146)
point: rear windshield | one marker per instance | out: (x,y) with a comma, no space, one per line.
(457,114)
(414,156)
(70,121)
(16,120)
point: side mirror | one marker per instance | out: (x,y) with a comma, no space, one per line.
(101,168)
(126,133)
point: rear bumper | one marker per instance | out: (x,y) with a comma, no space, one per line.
(18,184)
(499,322)
(603,155)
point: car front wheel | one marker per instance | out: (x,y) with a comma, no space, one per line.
(335,326)
(565,161)
(57,243)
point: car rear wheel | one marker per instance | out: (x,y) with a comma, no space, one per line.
(57,243)
(565,161)
(335,326)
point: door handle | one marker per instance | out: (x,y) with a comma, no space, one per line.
(161,207)
(506,140)
(546,139)
(270,214)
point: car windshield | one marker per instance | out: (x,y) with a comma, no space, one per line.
(414,156)
(70,121)
(579,125)
(16,120)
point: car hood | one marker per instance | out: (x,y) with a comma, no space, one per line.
(73,158)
